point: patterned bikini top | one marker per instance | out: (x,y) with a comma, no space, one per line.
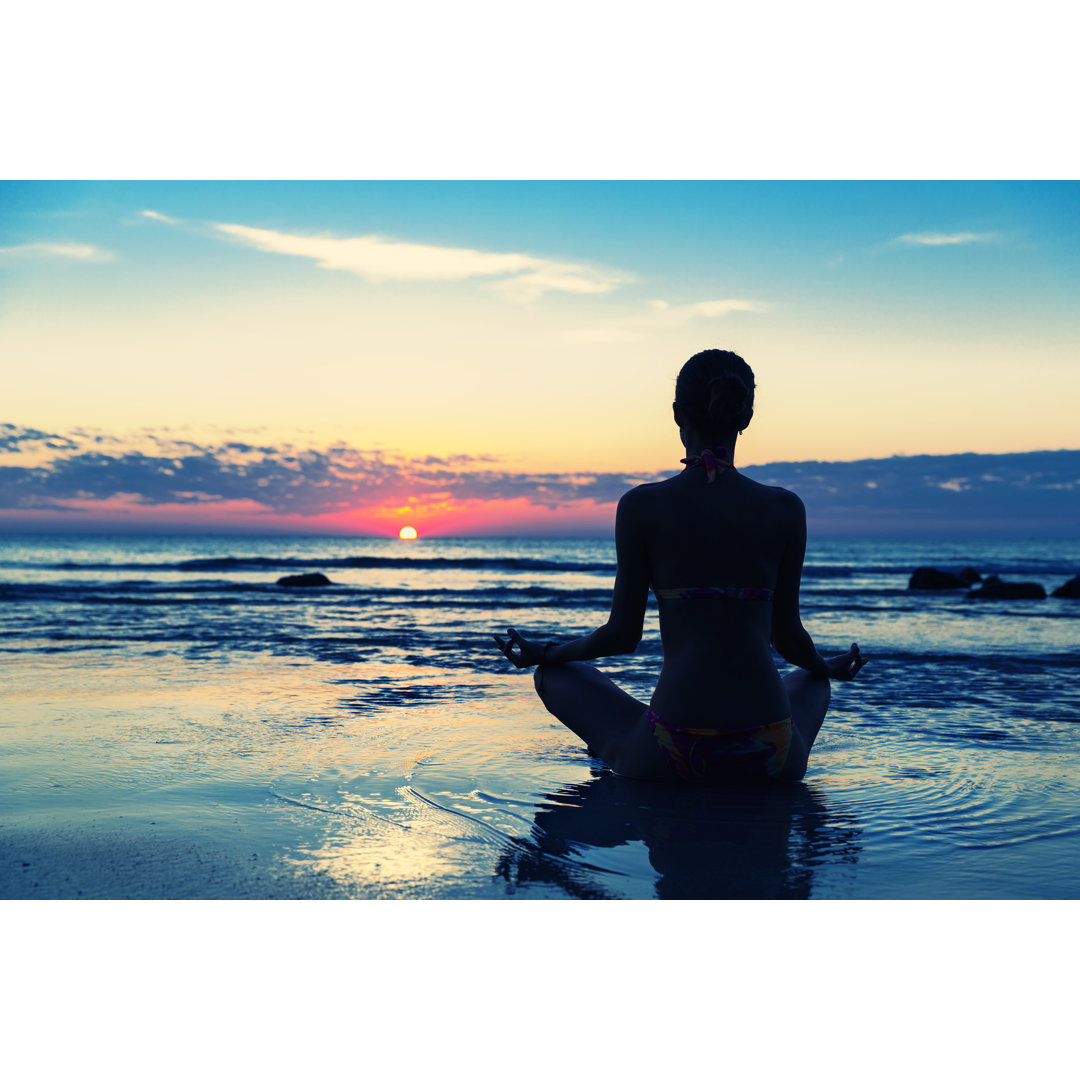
(715,592)
(714,458)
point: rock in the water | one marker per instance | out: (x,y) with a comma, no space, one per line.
(926,577)
(1070,590)
(303,581)
(993,588)
(970,576)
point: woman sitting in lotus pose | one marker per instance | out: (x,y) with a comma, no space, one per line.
(724,556)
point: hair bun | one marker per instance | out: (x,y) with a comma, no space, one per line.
(731,401)
(716,391)
(727,398)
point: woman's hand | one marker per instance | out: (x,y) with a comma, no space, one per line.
(519,651)
(847,665)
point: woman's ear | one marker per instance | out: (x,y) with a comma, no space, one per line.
(676,413)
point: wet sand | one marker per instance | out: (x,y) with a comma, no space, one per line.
(110,863)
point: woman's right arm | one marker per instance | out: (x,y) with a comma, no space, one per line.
(622,631)
(789,636)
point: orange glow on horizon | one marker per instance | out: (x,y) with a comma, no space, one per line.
(452,517)
(442,517)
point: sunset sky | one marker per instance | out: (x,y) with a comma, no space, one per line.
(476,356)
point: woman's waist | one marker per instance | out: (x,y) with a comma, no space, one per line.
(719,698)
(690,652)
(719,627)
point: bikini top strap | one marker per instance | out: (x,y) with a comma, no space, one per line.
(714,458)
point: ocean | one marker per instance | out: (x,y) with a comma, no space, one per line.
(175,724)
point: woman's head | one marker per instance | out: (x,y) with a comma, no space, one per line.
(715,392)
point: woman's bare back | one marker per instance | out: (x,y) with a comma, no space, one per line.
(728,534)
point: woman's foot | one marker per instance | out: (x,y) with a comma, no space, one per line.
(847,665)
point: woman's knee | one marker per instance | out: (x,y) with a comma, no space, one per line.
(552,677)
(548,677)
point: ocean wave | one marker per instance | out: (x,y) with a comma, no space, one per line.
(391,562)
(1052,572)
(234,564)
(968,663)
(143,592)
(212,592)
(243,563)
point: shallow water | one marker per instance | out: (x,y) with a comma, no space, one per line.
(366,736)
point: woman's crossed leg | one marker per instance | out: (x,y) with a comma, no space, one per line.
(607,719)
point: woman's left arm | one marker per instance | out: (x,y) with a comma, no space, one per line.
(622,632)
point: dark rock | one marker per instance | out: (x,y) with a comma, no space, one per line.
(993,588)
(926,577)
(303,581)
(970,576)
(1070,590)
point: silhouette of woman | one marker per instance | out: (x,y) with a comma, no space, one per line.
(724,556)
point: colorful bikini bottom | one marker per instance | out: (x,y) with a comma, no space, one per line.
(706,755)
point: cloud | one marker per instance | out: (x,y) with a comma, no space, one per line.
(68,471)
(943,239)
(380,260)
(660,315)
(155,216)
(31,443)
(934,493)
(79,252)
(716,309)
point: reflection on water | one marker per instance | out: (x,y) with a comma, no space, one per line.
(702,843)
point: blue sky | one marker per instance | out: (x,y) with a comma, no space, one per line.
(820,252)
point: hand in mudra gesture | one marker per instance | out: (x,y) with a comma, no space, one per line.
(847,665)
(520,651)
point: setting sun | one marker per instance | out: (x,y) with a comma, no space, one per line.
(407,533)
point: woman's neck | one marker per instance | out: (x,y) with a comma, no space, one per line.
(695,442)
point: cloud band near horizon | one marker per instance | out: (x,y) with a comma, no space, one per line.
(67,472)
(71,474)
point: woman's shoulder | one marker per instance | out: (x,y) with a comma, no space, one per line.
(780,497)
(773,507)
(646,502)
(647,494)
